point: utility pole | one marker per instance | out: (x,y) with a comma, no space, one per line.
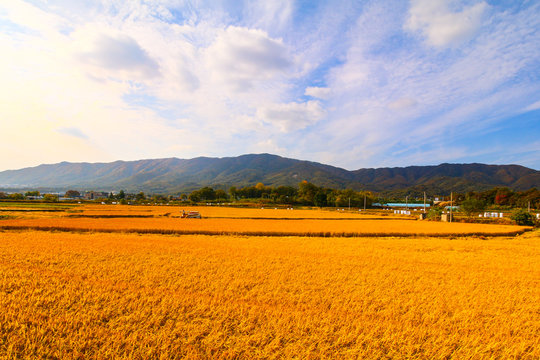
(529,207)
(349,204)
(365,202)
(407,201)
(424,201)
(451,204)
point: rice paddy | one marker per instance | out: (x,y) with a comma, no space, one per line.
(84,292)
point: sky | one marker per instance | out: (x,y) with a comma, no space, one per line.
(354,84)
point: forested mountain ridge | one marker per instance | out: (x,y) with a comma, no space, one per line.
(182,175)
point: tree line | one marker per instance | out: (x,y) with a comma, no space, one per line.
(309,194)
(305,194)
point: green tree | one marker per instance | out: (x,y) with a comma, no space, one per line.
(306,192)
(72,193)
(121,195)
(31,193)
(471,206)
(320,199)
(140,197)
(522,217)
(16,196)
(158,198)
(195,196)
(221,194)
(50,198)
(434,214)
(207,193)
(233,191)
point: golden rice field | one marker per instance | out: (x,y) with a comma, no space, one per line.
(219,212)
(234,221)
(263,227)
(98,295)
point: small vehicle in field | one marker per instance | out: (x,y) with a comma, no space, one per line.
(191,215)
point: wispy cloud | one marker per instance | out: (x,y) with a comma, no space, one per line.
(442,25)
(351,83)
(73,131)
(318,92)
(121,53)
(240,57)
(292,116)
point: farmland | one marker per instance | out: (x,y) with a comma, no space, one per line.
(234,221)
(106,287)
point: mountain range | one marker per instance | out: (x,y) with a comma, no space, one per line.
(173,175)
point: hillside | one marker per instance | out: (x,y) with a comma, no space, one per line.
(181,175)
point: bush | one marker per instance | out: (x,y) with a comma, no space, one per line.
(434,214)
(471,206)
(50,198)
(523,217)
(16,196)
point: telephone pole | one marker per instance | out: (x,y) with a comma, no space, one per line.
(451,204)
(365,201)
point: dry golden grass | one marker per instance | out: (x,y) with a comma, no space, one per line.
(98,296)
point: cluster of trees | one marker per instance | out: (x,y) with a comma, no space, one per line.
(140,197)
(29,195)
(305,194)
(502,197)
(310,194)
(208,194)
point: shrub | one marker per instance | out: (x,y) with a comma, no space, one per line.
(50,198)
(522,217)
(434,214)
(472,205)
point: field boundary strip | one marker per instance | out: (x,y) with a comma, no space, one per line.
(33,210)
(327,234)
(107,216)
(112,216)
(303,218)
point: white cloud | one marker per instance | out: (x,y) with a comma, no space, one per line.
(386,98)
(32,18)
(121,53)
(402,103)
(241,57)
(73,131)
(171,75)
(442,26)
(292,116)
(272,15)
(533,106)
(317,92)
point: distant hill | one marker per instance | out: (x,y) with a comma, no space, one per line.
(183,175)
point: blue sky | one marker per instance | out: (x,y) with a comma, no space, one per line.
(353,84)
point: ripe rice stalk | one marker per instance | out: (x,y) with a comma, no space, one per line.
(116,295)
